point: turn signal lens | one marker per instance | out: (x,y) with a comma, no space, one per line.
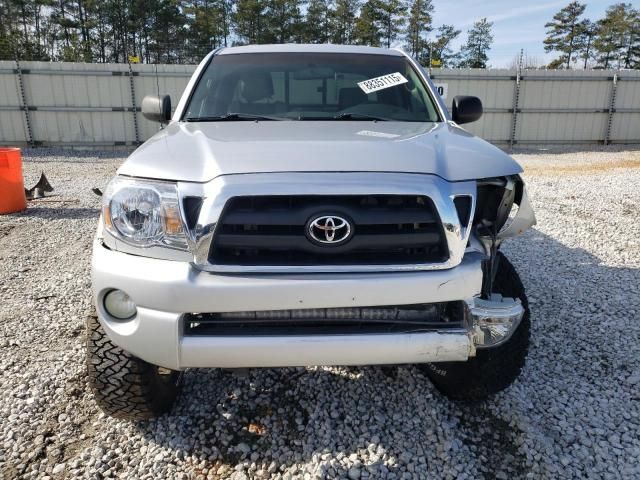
(172,220)
(495,320)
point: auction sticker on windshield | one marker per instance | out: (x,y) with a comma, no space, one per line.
(380,83)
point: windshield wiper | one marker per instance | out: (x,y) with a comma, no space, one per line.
(359,116)
(232,117)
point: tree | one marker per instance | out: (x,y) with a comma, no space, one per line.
(167,35)
(206,24)
(185,30)
(419,26)
(367,28)
(283,21)
(610,34)
(563,34)
(479,40)
(248,21)
(20,30)
(632,44)
(393,18)
(102,31)
(585,41)
(441,47)
(618,37)
(317,23)
(9,30)
(226,9)
(343,21)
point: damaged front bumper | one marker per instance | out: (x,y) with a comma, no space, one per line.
(166,292)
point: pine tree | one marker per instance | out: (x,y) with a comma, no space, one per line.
(284,21)
(479,40)
(11,33)
(610,39)
(317,23)
(393,18)
(168,33)
(632,43)
(116,19)
(617,41)
(343,21)
(226,12)
(563,34)
(441,48)
(206,25)
(85,25)
(419,26)
(367,28)
(23,26)
(585,41)
(248,21)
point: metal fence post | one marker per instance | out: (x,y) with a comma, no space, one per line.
(516,99)
(25,105)
(133,105)
(612,109)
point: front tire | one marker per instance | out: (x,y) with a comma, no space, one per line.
(495,368)
(125,386)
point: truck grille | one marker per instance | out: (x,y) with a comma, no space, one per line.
(327,321)
(387,230)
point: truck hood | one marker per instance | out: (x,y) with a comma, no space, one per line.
(199,152)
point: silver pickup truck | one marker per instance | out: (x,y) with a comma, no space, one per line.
(307,205)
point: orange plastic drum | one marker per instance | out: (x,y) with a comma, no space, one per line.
(12,197)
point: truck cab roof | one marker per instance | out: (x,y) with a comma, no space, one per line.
(309,48)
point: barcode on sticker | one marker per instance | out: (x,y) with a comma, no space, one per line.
(380,83)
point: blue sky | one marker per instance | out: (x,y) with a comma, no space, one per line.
(517,24)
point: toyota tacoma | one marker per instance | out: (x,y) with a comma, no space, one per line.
(307,205)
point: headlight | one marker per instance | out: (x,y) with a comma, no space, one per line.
(144,213)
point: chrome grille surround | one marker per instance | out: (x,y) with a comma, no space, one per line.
(220,190)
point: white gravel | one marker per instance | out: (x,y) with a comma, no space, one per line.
(574,413)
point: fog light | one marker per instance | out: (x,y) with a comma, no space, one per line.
(495,320)
(119,305)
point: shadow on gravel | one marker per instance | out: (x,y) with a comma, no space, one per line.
(390,420)
(61,213)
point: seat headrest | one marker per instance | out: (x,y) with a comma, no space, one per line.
(351,96)
(256,86)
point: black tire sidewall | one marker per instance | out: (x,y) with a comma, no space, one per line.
(492,369)
(123,385)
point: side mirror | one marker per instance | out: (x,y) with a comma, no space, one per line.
(157,109)
(466,109)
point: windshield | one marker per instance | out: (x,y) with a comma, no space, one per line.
(310,86)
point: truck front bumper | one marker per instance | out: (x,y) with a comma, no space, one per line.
(164,291)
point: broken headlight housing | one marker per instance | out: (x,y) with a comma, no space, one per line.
(144,213)
(503,208)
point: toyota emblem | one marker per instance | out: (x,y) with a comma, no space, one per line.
(329,229)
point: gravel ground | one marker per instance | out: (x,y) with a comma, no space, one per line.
(573,413)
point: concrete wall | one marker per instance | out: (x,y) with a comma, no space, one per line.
(97,105)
